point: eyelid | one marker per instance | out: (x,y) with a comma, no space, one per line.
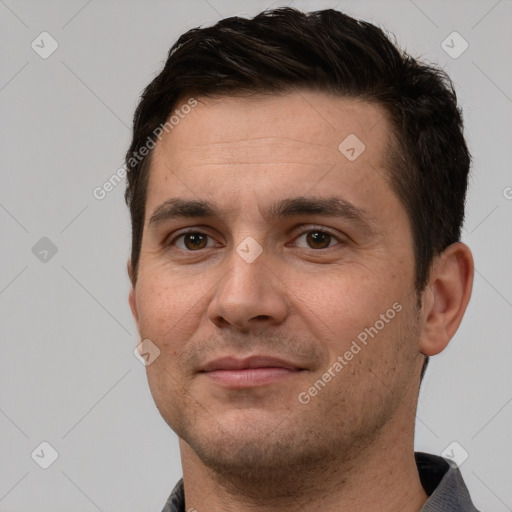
(304,228)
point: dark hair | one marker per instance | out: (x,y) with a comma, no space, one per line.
(284,49)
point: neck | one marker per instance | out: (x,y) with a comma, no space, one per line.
(382,476)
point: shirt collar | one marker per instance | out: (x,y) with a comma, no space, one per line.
(442,482)
(444,485)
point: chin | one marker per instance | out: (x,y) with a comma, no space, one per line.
(254,447)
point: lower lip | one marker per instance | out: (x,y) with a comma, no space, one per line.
(249,377)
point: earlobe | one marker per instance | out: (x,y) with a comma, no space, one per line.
(446,297)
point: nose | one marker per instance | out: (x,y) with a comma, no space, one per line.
(249,295)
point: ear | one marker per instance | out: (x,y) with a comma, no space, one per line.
(131,297)
(446,297)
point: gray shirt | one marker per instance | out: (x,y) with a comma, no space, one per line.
(442,482)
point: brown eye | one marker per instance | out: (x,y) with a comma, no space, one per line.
(318,239)
(192,241)
(195,241)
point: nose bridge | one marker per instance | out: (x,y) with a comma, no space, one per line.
(246,269)
(249,289)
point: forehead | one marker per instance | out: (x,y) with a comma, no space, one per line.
(300,118)
(269,146)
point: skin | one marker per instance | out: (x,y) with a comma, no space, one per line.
(305,299)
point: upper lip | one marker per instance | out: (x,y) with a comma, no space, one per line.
(256,361)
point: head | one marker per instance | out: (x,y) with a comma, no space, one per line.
(252,129)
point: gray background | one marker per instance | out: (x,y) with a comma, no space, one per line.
(67,372)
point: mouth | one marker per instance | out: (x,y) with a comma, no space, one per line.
(249,372)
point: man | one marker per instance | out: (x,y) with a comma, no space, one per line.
(296,187)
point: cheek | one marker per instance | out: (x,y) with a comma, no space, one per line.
(354,313)
(167,308)
(350,296)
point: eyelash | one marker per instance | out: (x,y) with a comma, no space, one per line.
(173,240)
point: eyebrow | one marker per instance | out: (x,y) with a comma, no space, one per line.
(326,207)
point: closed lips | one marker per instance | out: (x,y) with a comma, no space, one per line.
(253,362)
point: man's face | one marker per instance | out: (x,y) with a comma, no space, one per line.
(287,295)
